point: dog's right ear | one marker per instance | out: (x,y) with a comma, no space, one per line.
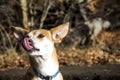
(19,32)
(59,32)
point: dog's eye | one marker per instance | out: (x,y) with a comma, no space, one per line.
(41,36)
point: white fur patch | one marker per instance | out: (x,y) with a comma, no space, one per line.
(45,46)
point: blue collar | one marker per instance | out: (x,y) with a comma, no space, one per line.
(45,77)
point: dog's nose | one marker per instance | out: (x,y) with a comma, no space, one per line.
(27,36)
(29,40)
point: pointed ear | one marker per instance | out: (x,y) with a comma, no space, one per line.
(19,32)
(59,32)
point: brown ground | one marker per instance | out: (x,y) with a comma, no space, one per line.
(99,72)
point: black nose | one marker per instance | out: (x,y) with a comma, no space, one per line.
(30,41)
(27,36)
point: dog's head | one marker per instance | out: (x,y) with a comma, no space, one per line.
(41,42)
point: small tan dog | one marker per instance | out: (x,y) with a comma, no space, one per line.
(42,54)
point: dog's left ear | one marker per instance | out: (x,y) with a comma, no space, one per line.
(59,32)
(19,32)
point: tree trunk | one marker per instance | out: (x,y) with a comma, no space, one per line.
(24,12)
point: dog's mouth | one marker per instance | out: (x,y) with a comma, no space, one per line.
(28,44)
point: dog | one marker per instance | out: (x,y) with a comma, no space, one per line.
(96,26)
(39,44)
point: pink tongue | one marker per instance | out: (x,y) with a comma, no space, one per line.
(27,44)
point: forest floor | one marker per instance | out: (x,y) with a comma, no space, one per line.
(106,51)
(98,72)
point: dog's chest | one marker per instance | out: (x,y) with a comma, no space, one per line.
(46,66)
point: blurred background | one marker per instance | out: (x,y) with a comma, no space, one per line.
(93,38)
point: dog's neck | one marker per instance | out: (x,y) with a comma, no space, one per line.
(45,64)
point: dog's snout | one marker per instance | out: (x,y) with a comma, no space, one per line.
(29,40)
